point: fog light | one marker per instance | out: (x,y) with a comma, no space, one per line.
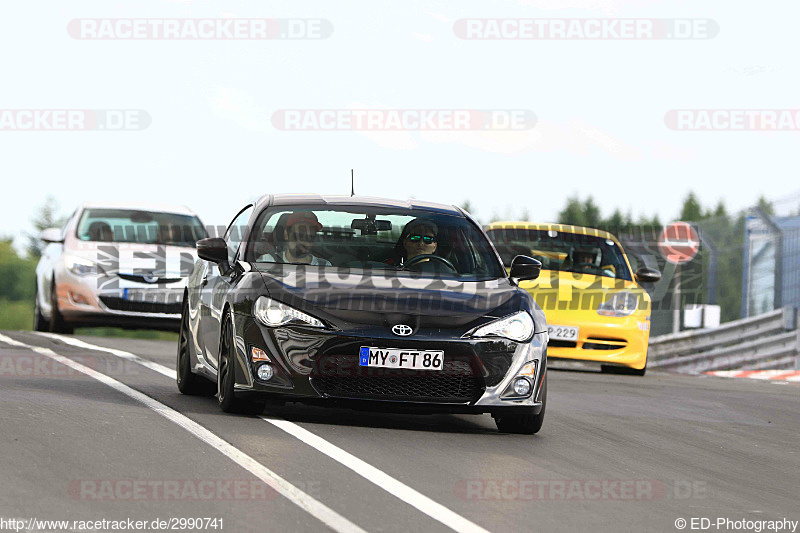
(265,372)
(78,298)
(522,387)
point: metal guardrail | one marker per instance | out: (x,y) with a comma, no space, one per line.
(765,342)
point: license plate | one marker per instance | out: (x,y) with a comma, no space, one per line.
(400,358)
(136,295)
(154,295)
(562,333)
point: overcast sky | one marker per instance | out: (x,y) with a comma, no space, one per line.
(211,143)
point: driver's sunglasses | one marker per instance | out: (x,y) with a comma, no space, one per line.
(427,239)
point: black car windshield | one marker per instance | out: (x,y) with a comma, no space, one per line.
(564,251)
(374,238)
(141,227)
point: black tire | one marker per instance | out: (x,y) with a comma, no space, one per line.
(226,395)
(57,324)
(40,323)
(622,370)
(524,424)
(188,382)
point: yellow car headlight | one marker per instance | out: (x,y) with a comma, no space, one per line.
(619,304)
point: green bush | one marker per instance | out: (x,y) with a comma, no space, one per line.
(16,315)
(17,275)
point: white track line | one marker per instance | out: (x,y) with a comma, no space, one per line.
(161,369)
(378,477)
(320,511)
(771,375)
(383,480)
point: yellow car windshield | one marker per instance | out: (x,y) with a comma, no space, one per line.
(562,251)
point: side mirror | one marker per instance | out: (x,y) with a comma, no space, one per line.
(647,275)
(51,235)
(524,267)
(213,249)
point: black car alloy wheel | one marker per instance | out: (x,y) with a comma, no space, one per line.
(226,376)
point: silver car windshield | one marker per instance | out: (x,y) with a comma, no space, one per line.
(137,226)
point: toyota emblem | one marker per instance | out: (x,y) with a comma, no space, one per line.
(402,330)
(150,277)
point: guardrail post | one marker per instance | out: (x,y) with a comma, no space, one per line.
(777,233)
(797,348)
(789,317)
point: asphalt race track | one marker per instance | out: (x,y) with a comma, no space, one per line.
(616,453)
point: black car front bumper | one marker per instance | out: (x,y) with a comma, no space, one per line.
(322,366)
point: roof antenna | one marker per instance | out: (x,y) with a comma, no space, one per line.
(352,183)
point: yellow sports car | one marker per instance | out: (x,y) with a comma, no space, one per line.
(595,308)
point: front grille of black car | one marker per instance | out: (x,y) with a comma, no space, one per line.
(341,377)
(119,304)
(453,389)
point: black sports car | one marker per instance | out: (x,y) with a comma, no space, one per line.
(367,303)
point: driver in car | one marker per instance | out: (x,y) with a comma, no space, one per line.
(583,260)
(417,239)
(300,232)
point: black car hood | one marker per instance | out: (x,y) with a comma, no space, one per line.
(358,298)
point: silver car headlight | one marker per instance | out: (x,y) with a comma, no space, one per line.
(273,313)
(517,327)
(80,266)
(622,303)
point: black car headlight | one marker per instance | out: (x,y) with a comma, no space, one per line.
(273,313)
(517,327)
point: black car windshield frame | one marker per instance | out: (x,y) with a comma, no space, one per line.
(374,238)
